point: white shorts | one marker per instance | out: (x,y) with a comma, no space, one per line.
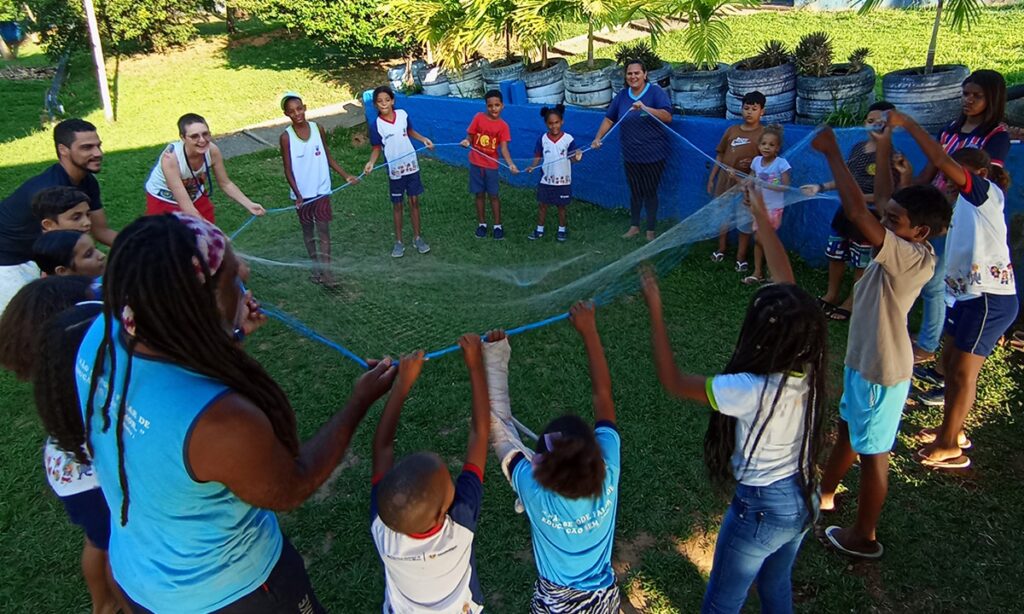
(14,278)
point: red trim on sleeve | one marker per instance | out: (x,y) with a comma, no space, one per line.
(477,471)
(966,189)
(376,147)
(376,479)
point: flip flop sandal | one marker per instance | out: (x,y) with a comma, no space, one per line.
(866,556)
(925,436)
(826,306)
(839,314)
(750,280)
(960,462)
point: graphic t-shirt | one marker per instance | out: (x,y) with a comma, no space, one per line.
(748,398)
(393,137)
(863,168)
(737,148)
(572,539)
(485,134)
(65,474)
(878,346)
(19,229)
(556,166)
(643,139)
(977,255)
(771,175)
(434,572)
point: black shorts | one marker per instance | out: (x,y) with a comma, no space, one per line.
(286,591)
(89,510)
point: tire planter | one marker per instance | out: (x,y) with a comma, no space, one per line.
(777,83)
(588,88)
(1015,106)
(700,92)
(505,70)
(396,74)
(435,82)
(819,97)
(661,76)
(933,100)
(617,77)
(545,85)
(470,82)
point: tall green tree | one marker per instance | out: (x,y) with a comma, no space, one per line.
(960,14)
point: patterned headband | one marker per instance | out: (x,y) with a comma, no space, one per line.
(211,241)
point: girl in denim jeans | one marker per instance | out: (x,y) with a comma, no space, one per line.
(764,432)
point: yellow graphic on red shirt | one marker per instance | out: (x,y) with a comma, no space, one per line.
(485,142)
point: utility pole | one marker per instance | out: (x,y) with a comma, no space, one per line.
(97,56)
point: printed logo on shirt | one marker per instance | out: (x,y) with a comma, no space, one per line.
(316,152)
(739,141)
(585,523)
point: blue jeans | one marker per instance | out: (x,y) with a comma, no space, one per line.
(933,300)
(759,539)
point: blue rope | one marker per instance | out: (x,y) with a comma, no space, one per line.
(304,330)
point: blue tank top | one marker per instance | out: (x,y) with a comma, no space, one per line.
(189,546)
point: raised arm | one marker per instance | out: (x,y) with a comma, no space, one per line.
(384,438)
(936,155)
(234,443)
(673,380)
(855,207)
(582,317)
(883,168)
(472,353)
(286,157)
(349,177)
(774,253)
(225,183)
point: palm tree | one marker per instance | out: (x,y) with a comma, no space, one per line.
(959,13)
(440,26)
(595,13)
(707,31)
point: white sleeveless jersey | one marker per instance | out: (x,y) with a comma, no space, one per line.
(309,163)
(194,180)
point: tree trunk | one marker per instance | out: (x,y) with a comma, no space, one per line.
(929,63)
(231,17)
(544,55)
(97,56)
(508,39)
(430,54)
(590,44)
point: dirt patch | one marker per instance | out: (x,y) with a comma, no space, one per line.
(360,138)
(261,40)
(20,73)
(629,552)
(872,583)
(699,548)
(327,488)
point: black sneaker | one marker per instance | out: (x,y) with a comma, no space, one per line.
(936,397)
(928,375)
(536,234)
(481,231)
(562,235)
(499,233)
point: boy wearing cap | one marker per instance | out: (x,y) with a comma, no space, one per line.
(307,167)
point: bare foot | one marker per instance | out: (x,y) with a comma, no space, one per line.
(828,503)
(935,453)
(327,279)
(632,232)
(650,235)
(495,335)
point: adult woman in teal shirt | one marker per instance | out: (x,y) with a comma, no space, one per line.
(644,146)
(194,443)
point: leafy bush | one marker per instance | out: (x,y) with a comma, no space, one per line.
(638,51)
(813,55)
(9,10)
(355,27)
(773,53)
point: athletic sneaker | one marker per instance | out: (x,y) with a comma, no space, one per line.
(421,245)
(928,375)
(562,235)
(398,250)
(717,256)
(741,267)
(499,233)
(536,234)
(481,231)
(936,397)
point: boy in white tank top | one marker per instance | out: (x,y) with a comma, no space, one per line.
(307,167)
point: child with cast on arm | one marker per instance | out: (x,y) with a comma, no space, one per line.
(771,173)
(391,133)
(879,358)
(486,134)
(568,485)
(764,432)
(423,524)
(556,150)
(307,168)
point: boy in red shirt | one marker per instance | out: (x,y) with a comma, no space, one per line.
(485,133)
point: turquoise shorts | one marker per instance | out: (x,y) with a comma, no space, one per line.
(872,412)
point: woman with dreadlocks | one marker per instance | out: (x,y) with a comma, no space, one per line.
(764,432)
(194,443)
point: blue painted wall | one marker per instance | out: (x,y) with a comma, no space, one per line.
(599,178)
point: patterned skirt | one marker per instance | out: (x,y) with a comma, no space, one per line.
(551,598)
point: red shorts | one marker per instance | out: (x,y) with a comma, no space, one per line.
(318,210)
(156,206)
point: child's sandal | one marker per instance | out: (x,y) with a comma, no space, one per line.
(752,280)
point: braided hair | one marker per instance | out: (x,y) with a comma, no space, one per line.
(784,332)
(158,273)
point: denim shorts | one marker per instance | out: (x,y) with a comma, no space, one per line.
(977,324)
(410,185)
(872,411)
(483,180)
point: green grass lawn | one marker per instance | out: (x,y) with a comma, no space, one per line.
(953,543)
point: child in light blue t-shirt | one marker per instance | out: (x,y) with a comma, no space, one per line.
(568,486)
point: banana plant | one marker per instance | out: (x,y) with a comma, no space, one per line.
(959,13)
(440,26)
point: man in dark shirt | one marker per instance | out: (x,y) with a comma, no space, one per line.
(79,157)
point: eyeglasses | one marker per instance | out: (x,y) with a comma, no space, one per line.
(195,138)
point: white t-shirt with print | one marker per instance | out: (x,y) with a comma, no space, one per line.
(556,166)
(66,475)
(771,175)
(393,137)
(977,254)
(748,398)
